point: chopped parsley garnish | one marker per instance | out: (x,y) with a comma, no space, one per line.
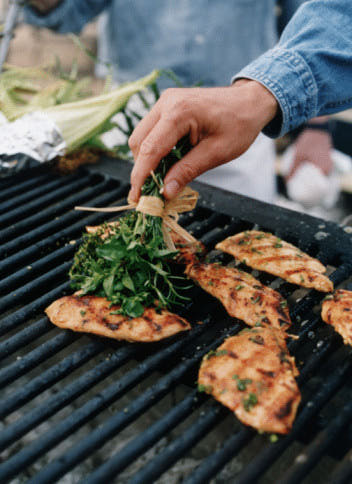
(250,401)
(253,249)
(283,304)
(205,388)
(255,300)
(260,236)
(241,384)
(239,287)
(210,283)
(82,313)
(215,353)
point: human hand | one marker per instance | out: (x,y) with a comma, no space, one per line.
(221,122)
(44,6)
(313,146)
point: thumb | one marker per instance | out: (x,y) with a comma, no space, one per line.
(202,157)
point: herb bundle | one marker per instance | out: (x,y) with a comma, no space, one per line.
(131,265)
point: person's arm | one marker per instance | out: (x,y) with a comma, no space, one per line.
(63,15)
(310,70)
(308,74)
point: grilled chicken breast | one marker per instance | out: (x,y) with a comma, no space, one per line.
(253,375)
(337,311)
(266,252)
(243,296)
(92,314)
(187,253)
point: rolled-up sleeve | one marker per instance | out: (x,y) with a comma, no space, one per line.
(68,16)
(310,70)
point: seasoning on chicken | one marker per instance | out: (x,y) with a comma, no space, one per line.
(188,253)
(243,296)
(337,311)
(266,252)
(253,375)
(92,314)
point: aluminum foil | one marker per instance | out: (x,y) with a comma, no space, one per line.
(34,136)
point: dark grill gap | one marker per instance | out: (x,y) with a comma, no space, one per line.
(66,380)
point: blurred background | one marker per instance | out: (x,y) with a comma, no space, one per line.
(32,46)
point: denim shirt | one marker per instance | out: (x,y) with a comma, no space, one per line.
(200,40)
(310,70)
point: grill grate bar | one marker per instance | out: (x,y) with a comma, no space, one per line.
(146,440)
(64,397)
(93,407)
(306,461)
(35,193)
(15,188)
(53,211)
(26,291)
(21,315)
(343,472)
(43,230)
(120,420)
(51,376)
(42,202)
(179,446)
(34,358)
(23,337)
(69,232)
(42,265)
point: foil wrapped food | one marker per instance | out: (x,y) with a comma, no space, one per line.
(33,136)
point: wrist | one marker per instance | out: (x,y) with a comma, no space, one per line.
(260,99)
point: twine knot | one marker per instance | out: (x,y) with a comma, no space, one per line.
(168,210)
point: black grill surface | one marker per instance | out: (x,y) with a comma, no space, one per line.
(76,407)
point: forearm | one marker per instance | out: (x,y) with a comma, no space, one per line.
(309,71)
(64,15)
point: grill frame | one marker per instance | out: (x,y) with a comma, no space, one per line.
(23,286)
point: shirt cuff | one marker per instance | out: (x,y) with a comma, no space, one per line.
(52,20)
(289,78)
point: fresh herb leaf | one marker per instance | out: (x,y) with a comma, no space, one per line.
(250,401)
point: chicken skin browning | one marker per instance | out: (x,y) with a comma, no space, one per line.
(268,253)
(92,314)
(187,253)
(337,311)
(253,375)
(243,296)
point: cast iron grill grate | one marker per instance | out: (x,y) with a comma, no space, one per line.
(102,411)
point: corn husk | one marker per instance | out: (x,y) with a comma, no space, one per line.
(80,121)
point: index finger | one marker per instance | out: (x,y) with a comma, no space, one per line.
(157,144)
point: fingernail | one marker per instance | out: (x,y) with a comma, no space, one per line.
(132,196)
(171,189)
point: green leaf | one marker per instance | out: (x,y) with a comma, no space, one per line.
(108,285)
(127,282)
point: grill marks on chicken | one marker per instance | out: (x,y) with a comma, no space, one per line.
(253,375)
(92,314)
(243,296)
(337,311)
(266,252)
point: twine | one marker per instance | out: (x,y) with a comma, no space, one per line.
(167,210)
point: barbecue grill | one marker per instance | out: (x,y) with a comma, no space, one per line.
(77,407)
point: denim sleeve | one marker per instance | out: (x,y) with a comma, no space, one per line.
(310,70)
(68,16)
